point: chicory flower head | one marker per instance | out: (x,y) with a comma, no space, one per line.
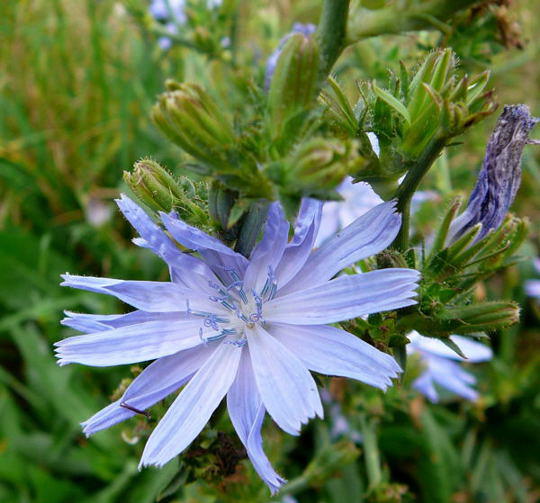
(249,329)
(441,367)
(500,176)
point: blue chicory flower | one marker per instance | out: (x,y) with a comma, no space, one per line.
(500,176)
(249,329)
(441,367)
(306,29)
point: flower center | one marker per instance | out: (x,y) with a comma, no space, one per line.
(245,308)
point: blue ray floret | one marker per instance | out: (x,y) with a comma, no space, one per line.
(249,329)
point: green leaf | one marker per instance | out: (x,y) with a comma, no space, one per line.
(392,101)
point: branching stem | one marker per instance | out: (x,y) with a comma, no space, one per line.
(409,186)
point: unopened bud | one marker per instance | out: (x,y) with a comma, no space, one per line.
(479,317)
(319,164)
(190,118)
(473,318)
(153,185)
(294,82)
(500,176)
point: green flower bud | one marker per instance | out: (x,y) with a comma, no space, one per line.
(294,83)
(319,165)
(480,317)
(153,185)
(159,190)
(190,118)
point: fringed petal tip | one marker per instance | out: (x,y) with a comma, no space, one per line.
(87,429)
(276,485)
(146,463)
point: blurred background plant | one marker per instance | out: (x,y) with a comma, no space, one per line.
(77,86)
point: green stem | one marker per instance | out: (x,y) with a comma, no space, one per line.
(366,23)
(294,486)
(332,33)
(371,452)
(409,186)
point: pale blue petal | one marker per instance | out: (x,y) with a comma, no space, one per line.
(156,381)
(247,413)
(345,297)
(358,198)
(192,409)
(190,270)
(106,417)
(287,389)
(367,235)
(268,252)
(152,296)
(89,323)
(332,351)
(474,351)
(217,255)
(424,384)
(450,376)
(298,250)
(132,343)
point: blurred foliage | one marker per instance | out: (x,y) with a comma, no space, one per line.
(77,83)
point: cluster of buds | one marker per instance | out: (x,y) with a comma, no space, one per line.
(440,104)
(420,115)
(191,119)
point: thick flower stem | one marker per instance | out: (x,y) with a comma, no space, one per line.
(409,186)
(332,33)
(366,23)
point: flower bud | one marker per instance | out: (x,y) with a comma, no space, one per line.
(153,185)
(480,317)
(190,118)
(294,82)
(500,175)
(319,164)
